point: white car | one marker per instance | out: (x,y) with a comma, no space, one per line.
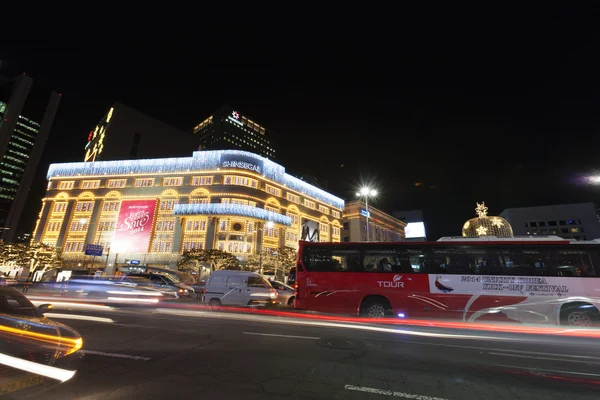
(238,288)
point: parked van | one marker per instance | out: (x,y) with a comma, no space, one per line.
(238,288)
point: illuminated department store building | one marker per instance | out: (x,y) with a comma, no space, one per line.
(154,209)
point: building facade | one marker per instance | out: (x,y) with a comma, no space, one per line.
(227,129)
(27,112)
(152,210)
(127,134)
(382,227)
(577,221)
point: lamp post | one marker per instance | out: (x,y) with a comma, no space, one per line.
(367,192)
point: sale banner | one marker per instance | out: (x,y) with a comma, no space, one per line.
(134,226)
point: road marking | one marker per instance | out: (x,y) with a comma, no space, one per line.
(391,393)
(547,370)
(286,336)
(116,355)
(542,358)
(81,317)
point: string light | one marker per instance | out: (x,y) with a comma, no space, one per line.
(231,209)
(483,225)
(200,160)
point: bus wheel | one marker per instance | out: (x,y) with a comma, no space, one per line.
(214,302)
(579,314)
(375,307)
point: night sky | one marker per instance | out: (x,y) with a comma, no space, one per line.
(436,110)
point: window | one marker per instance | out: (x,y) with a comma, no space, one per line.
(199,200)
(84,206)
(167,205)
(90,184)
(272,209)
(346,225)
(53,226)
(335,214)
(291,236)
(161,246)
(14,303)
(73,247)
(257,281)
(271,232)
(564,230)
(223,225)
(294,217)
(574,230)
(562,222)
(196,225)
(324,228)
(146,182)
(323,209)
(235,281)
(335,231)
(293,198)
(66,185)
(173,181)
(187,246)
(273,190)
(165,226)
(78,226)
(202,180)
(533,224)
(117,183)
(59,207)
(542,223)
(238,201)
(551,223)
(111,206)
(309,204)
(240,181)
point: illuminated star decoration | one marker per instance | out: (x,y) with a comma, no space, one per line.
(481,231)
(481,209)
(497,223)
(236,115)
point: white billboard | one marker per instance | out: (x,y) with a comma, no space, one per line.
(415,230)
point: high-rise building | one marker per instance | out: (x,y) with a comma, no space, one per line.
(127,134)
(227,129)
(27,112)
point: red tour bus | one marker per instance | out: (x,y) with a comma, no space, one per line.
(542,280)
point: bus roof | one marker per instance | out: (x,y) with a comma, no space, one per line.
(533,239)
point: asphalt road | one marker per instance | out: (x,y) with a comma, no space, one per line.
(163,353)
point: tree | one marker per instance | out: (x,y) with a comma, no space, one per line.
(277,259)
(217,259)
(287,258)
(34,255)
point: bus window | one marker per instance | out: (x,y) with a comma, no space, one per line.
(332,259)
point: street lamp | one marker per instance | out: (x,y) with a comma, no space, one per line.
(367,192)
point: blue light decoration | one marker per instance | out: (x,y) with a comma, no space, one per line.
(231,209)
(200,160)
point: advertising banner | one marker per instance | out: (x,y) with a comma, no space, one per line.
(502,285)
(134,226)
(310,230)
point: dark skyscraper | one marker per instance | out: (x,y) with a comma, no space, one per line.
(27,112)
(127,134)
(227,129)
